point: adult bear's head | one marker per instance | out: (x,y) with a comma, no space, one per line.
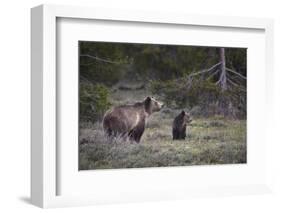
(151,105)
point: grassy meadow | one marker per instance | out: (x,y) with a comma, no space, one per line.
(212,140)
(210,83)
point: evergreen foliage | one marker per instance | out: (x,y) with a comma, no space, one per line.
(93,101)
(164,70)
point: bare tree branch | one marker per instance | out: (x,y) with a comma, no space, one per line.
(218,81)
(232,82)
(214,73)
(100,59)
(204,71)
(242,89)
(189,83)
(235,78)
(85,79)
(236,85)
(232,71)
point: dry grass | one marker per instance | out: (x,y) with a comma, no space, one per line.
(209,141)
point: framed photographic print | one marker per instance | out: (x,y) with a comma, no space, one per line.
(195,118)
(130,106)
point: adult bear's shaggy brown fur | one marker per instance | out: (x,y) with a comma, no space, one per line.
(179,125)
(129,120)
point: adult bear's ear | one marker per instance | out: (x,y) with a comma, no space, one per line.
(147,105)
(147,100)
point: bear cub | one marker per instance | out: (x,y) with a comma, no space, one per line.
(179,125)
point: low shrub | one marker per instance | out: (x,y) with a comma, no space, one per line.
(94,101)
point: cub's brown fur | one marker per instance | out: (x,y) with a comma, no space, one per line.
(129,120)
(179,125)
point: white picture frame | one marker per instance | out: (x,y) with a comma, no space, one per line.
(44,154)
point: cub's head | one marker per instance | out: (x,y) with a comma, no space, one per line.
(186,117)
(151,105)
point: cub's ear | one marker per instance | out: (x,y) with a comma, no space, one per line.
(183,113)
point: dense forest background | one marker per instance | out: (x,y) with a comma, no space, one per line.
(206,81)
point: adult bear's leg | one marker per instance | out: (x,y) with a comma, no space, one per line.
(137,132)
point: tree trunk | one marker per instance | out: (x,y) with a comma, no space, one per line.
(223,82)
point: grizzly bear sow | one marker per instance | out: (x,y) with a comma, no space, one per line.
(179,125)
(129,120)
